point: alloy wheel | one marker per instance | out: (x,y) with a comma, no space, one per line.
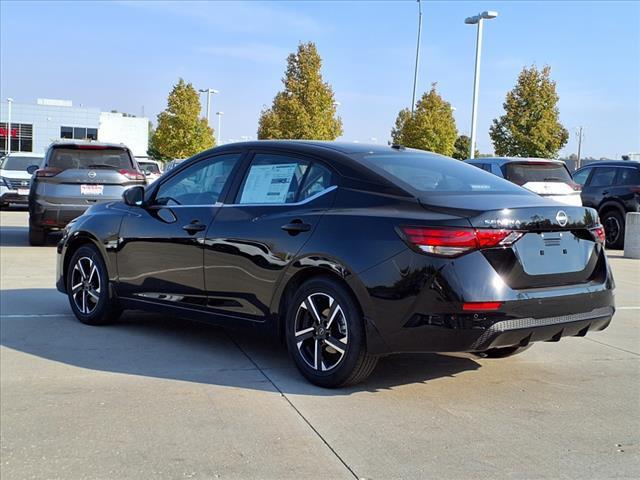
(612,229)
(321,332)
(85,285)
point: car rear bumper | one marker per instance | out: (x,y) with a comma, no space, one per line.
(55,216)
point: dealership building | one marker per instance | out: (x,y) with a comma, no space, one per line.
(33,126)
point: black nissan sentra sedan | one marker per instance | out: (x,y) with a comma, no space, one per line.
(346,251)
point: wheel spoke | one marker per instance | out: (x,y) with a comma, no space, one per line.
(333,313)
(81,269)
(336,344)
(77,287)
(84,301)
(317,354)
(93,294)
(93,270)
(311,307)
(304,334)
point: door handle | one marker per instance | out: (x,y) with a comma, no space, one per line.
(194,226)
(296,226)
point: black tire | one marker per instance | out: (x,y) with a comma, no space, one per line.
(334,369)
(503,352)
(86,308)
(613,223)
(37,236)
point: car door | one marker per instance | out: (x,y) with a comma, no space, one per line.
(160,256)
(599,186)
(279,202)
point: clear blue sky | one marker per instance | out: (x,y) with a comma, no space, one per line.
(126,55)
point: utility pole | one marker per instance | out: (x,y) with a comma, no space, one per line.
(415,73)
(209,91)
(580,135)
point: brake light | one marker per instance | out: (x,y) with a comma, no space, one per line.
(132,174)
(480,306)
(450,242)
(92,147)
(47,172)
(599,234)
(576,186)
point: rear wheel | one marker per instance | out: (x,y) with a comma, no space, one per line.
(88,288)
(613,223)
(37,236)
(325,335)
(502,352)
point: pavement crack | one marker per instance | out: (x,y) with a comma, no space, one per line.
(283,395)
(611,346)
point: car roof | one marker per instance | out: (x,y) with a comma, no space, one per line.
(24,154)
(347,148)
(93,143)
(504,160)
(612,163)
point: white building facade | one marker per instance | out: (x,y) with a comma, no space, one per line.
(32,127)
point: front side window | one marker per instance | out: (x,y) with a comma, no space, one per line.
(581,176)
(272,179)
(199,184)
(603,177)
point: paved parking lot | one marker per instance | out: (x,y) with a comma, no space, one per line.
(156,397)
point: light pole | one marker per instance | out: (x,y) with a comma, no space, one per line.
(219,114)
(415,72)
(9,103)
(209,91)
(580,137)
(477,19)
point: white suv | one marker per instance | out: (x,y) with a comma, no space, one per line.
(15,180)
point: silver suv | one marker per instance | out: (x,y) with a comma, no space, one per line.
(74,176)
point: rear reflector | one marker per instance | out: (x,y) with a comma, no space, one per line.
(47,172)
(132,174)
(480,306)
(450,242)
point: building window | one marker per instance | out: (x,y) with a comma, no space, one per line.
(21,136)
(79,133)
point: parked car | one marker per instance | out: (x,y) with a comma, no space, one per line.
(612,188)
(347,251)
(15,180)
(150,168)
(173,164)
(74,176)
(547,178)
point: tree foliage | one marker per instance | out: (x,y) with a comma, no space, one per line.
(306,108)
(430,127)
(530,126)
(181,131)
(462,147)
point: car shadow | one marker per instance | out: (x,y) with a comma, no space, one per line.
(19,237)
(158,346)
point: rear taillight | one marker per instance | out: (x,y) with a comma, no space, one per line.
(47,172)
(576,186)
(132,174)
(598,234)
(480,306)
(450,242)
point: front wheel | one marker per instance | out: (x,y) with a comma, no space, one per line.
(88,288)
(325,335)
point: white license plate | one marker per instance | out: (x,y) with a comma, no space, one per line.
(91,189)
(23,191)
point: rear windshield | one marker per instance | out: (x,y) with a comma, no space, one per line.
(521,173)
(435,173)
(72,158)
(149,167)
(19,163)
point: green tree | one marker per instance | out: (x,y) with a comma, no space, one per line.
(530,126)
(430,127)
(462,147)
(306,108)
(181,132)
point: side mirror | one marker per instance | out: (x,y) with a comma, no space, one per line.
(134,196)
(31,169)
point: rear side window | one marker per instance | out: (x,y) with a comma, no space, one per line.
(318,178)
(603,177)
(86,158)
(523,173)
(628,176)
(272,179)
(435,173)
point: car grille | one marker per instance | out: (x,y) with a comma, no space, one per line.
(15,183)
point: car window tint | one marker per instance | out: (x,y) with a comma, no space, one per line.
(272,179)
(318,179)
(522,173)
(581,176)
(199,184)
(628,176)
(603,177)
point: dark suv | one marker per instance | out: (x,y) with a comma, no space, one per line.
(612,188)
(74,176)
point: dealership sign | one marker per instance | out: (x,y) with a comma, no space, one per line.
(3,132)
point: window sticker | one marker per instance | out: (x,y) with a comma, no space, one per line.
(268,183)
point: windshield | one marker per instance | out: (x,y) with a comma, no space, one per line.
(429,173)
(19,163)
(68,158)
(521,173)
(148,167)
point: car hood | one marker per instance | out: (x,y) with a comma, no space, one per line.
(22,174)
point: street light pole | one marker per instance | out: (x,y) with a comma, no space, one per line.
(219,114)
(209,91)
(479,20)
(579,132)
(415,72)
